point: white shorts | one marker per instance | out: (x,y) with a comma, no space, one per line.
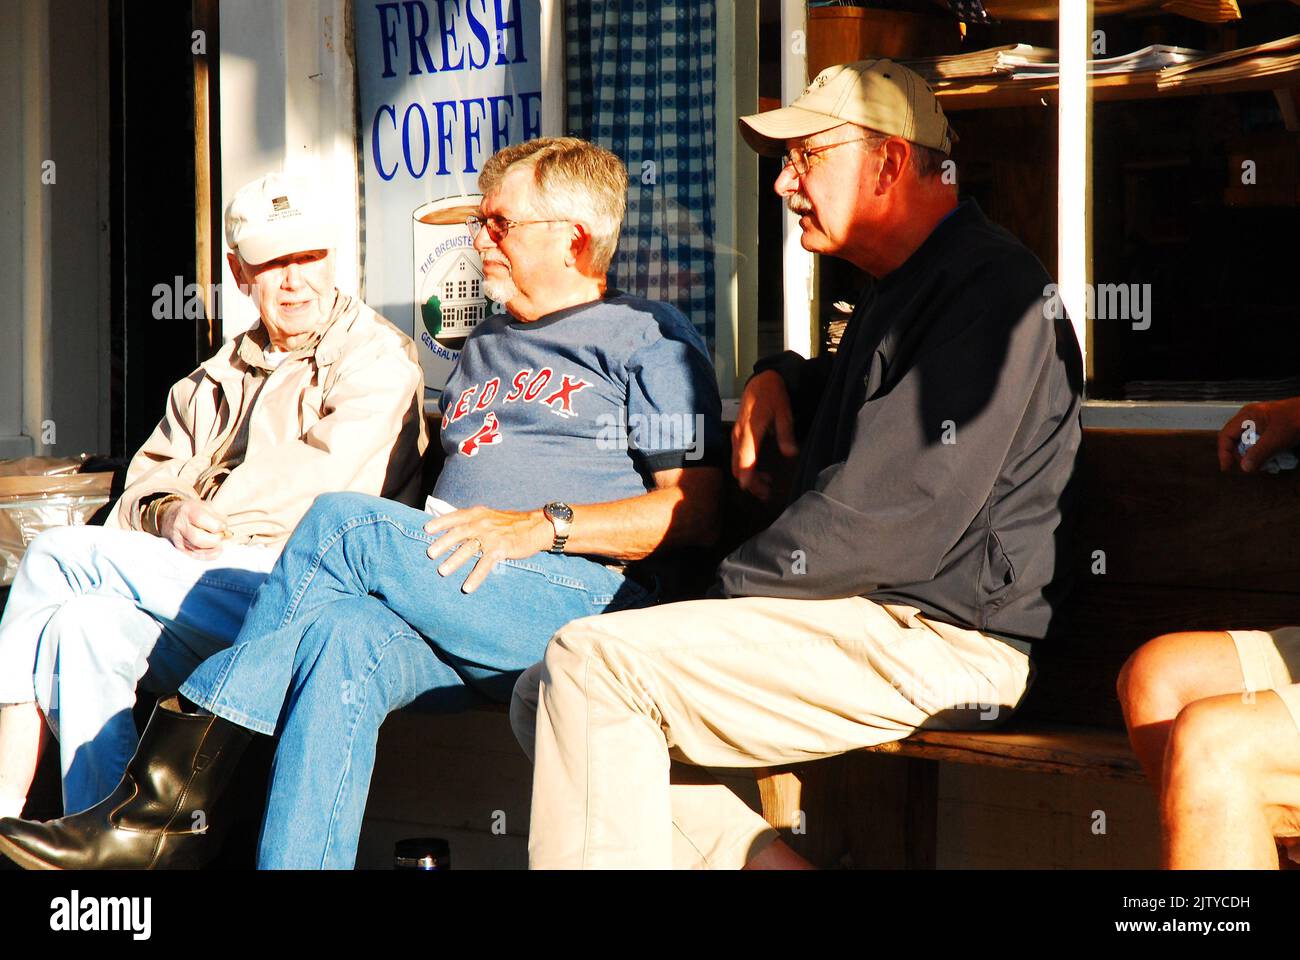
(1270,660)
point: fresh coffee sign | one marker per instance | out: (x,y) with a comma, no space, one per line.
(442,85)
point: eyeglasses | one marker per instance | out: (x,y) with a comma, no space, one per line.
(498,227)
(797,157)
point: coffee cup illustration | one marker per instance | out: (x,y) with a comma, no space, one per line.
(448,277)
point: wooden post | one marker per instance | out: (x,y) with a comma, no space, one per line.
(860,810)
(207,171)
(921,814)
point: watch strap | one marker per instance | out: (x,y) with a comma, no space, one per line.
(557,545)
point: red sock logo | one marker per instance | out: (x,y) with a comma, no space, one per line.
(487,434)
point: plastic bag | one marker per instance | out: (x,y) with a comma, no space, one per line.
(38,493)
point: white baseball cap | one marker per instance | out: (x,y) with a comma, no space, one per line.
(879,94)
(276,215)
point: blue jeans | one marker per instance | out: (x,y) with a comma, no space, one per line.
(97,611)
(355,622)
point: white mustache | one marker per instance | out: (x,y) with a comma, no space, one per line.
(798,203)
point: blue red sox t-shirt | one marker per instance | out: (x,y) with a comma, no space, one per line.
(582,405)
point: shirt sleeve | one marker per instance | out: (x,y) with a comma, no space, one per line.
(674,413)
(924,459)
(805,382)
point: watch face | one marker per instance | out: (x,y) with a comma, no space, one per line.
(560,511)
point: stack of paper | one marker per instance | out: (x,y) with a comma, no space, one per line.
(1018,61)
(994,61)
(1155,57)
(1263,59)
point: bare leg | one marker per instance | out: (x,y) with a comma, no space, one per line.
(1233,783)
(1165,675)
(22,735)
(778,856)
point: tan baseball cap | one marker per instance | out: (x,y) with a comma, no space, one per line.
(276,215)
(879,94)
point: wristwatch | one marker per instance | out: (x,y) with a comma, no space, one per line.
(561,517)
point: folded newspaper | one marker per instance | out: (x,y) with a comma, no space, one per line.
(1276,57)
(1023,61)
(1155,57)
(980,63)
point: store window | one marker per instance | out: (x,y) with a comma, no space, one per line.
(1192,177)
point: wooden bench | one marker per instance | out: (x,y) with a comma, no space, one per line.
(1185,547)
(1182,547)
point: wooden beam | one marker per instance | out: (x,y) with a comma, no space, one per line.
(799,317)
(1078,751)
(207,172)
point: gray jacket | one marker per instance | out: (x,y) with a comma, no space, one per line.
(937,466)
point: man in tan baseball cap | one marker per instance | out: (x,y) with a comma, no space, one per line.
(889,180)
(877,94)
(914,566)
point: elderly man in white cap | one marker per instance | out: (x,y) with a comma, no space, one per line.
(919,556)
(323,395)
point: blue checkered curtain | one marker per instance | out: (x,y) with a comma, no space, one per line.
(640,78)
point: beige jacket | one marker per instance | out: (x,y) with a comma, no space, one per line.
(343,412)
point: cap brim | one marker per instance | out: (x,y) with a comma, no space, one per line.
(767,132)
(274,244)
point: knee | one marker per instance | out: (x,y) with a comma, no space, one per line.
(90,630)
(82,640)
(336,635)
(324,518)
(586,656)
(523,707)
(53,549)
(1148,683)
(573,647)
(334,508)
(1207,749)
(52,542)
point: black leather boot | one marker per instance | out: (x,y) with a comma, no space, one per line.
(161,814)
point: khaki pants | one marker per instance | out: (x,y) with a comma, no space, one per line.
(729,683)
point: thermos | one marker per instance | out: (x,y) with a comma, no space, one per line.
(422,853)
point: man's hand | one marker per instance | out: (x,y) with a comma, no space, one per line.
(1275,425)
(765,405)
(497,534)
(193,527)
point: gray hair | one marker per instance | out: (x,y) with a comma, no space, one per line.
(572,180)
(926,162)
